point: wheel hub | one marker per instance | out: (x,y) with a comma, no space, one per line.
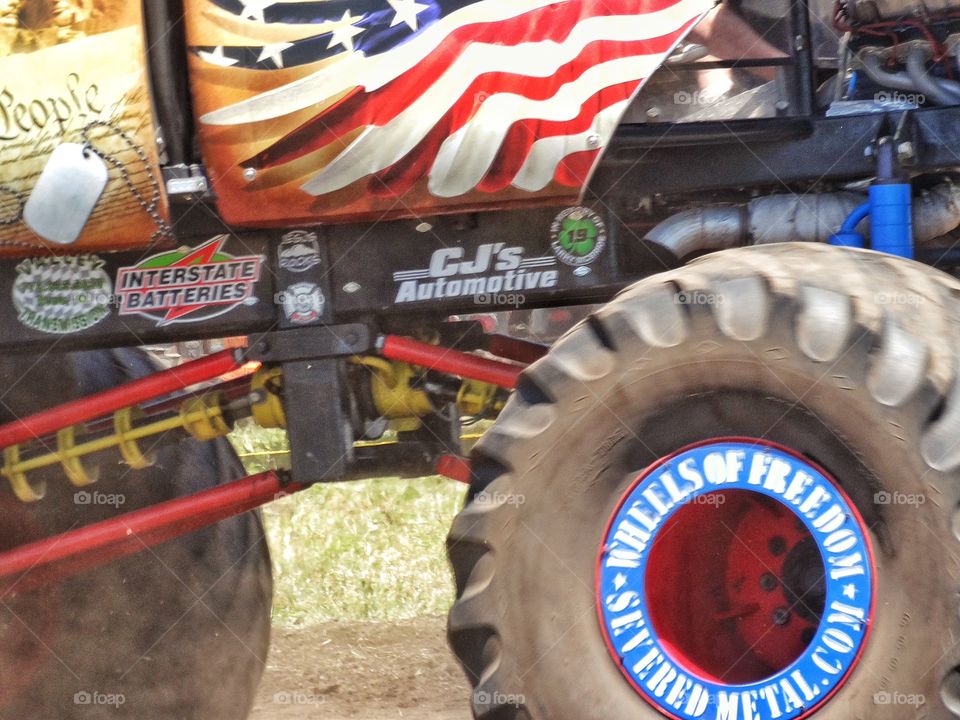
(735,580)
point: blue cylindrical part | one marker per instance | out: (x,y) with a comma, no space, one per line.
(891,219)
(848,235)
(855,218)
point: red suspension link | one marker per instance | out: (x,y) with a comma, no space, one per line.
(147,388)
(54,558)
(450,361)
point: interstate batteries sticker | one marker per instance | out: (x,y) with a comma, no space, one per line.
(189,284)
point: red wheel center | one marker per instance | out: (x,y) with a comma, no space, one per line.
(735,584)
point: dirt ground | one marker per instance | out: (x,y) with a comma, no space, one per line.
(371,671)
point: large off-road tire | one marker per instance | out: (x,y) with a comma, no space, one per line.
(838,367)
(178,631)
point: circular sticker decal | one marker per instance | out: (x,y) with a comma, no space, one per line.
(735,581)
(303,303)
(578,236)
(62,295)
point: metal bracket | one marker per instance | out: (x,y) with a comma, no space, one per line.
(186,183)
(904,137)
(312,343)
(321,439)
(907,140)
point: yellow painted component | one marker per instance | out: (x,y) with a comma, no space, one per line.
(203,417)
(72,465)
(22,488)
(401,425)
(92,446)
(155,428)
(268,413)
(394,395)
(381,366)
(475,397)
(391,386)
(132,455)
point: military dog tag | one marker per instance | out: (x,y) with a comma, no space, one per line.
(66,193)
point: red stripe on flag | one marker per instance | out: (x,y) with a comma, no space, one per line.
(554,22)
(574,170)
(361,108)
(403,175)
(521,137)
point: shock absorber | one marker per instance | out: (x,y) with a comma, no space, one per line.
(203,416)
(410,384)
(890,209)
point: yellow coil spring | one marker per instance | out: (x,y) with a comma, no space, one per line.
(202,417)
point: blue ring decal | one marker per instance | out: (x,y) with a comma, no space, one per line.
(664,680)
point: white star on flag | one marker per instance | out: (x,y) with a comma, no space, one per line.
(217,57)
(406,12)
(253,9)
(345,30)
(274,51)
(565,77)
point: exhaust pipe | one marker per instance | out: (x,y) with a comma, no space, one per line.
(793,218)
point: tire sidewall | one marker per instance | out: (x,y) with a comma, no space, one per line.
(612,434)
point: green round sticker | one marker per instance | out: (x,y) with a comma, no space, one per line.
(578,236)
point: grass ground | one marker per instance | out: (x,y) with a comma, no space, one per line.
(370,550)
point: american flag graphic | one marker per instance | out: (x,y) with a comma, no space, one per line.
(467,95)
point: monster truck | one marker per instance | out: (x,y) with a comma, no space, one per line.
(732,492)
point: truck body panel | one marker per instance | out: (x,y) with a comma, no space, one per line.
(315,112)
(77,77)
